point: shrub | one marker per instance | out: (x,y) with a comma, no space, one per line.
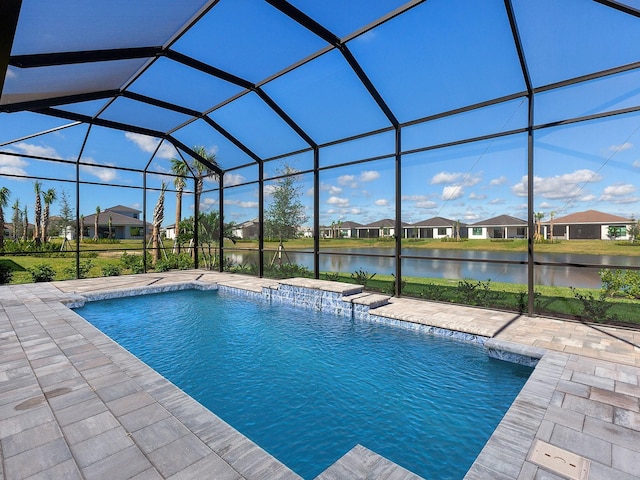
(163,265)
(623,283)
(42,272)
(83,270)
(184,261)
(6,274)
(332,276)
(134,262)
(595,308)
(362,277)
(111,270)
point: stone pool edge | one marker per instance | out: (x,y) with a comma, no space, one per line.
(505,453)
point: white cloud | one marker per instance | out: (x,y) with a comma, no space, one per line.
(636,164)
(618,190)
(382,202)
(469,215)
(149,145)
(413,198)
(12,165)
(426,205)
(496,201)
(452,192)
(355,211)
(346,179)
(622,147)
(104,174)
(241,204)
(340,202)
(369,175)
(476,196)
(458,178)
(619,193)
(587,198)
(498,181)
(36,150)
(231,179)
(11,73)
(446,177)
(566,185)
(270,189)
(545,205)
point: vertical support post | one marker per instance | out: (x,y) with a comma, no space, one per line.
(9,13)
(196,221)
(221,222)
(530,208)
(398,227)
(144,222)
(260,219)
(77,252)
(316,212)
(84,143)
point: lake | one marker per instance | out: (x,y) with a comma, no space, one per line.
(469,264)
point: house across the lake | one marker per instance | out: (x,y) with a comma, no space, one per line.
(125,224)
(436,227)
(591,225)
(502,226)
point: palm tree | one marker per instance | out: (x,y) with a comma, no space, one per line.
(538,218)
(110,224)
(552,215)
(17,217)
(48,197)
(201,170)
(25,223)
(158,217)
(37,212)
(4,201)
(95,224)
(180,170)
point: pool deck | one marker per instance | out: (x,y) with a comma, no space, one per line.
(75,405)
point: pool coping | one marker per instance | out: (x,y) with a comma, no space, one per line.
(541,410)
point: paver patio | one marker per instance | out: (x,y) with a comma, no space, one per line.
(74,404)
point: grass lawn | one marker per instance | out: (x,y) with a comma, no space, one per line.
(590,247)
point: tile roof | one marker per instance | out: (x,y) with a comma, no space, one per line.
(590,216)
(501,221)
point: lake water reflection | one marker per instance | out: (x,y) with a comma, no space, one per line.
(470,264)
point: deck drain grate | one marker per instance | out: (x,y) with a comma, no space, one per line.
(559,461)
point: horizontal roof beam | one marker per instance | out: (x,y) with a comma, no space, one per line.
(85,56)
(622,7)
(55,101)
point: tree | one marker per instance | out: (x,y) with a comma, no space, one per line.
(285,214)
(110,226)
(201,171)
(48,197)
(552,216)
(81,228)
(209,232)
(180,170)
(25,223)
(158,217)
(4,201)
(16,220)
(95,224)
(37,212)
(66,212)
(634,231)
(538,216)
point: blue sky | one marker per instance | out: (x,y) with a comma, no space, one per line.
(437,57)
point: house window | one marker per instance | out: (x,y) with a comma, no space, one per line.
(477,230)
(442,231)
(617,231)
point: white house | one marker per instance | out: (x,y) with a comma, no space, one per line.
(125,224)
(502,226)
(436,227)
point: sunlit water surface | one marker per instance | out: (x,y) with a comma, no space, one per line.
(308,386)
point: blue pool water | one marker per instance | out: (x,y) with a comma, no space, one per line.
(308,386)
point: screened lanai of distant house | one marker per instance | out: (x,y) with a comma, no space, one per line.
(426,114)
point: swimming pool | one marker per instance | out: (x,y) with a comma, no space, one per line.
(308,386)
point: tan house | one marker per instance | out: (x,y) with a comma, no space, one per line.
(591,225)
